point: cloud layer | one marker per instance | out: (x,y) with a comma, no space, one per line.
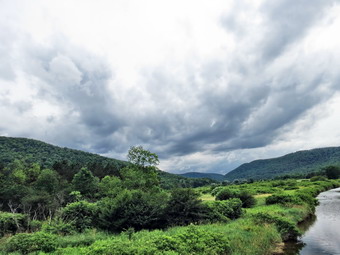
(206,86)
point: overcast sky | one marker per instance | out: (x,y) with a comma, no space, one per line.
(205,84)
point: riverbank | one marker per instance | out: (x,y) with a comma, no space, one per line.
(305,220)
(320,233)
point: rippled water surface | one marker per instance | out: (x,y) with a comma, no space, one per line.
(322,233)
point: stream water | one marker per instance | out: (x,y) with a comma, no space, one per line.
(322,232)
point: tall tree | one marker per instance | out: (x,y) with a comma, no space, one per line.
(137,155)
(85,182)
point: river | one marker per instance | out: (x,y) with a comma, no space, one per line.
(322,232)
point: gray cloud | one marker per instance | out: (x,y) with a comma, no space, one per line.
(6,69)
(79,81)
(288,21)
(244,99)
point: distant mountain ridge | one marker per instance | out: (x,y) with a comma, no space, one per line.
(213,176)
(300,162)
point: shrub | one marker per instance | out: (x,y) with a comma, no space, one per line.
(59,227)
(225,194)
(286,228)
(247,199)
(193,240)
(185,241)
(308,197)
(11,223)
(216,190)
(82,239)
(281,198)
(132,209)
(224,210)
(35,225)
(332,172)
(318,178)
(121,247)
(80,215)
(27,243)
(184,207)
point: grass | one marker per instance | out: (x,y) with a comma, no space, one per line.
(261,199)
(82,239)
(207,197)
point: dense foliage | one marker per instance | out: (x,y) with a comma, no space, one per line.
(117,208)
(67,162)
(132,198)
(246,198)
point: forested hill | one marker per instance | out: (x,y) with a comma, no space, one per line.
(67,161)
(301,162)
(213,176)
(46,155)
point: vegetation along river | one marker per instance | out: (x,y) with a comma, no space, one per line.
(322,232)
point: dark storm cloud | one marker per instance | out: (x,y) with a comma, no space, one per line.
(78,82)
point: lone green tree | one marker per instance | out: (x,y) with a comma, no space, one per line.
(138,156)
(332,172)
(142,173)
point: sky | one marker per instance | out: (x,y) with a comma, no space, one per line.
(207,85)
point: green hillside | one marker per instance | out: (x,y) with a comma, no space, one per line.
(67,161)
(301,162)
(213,176)
(46,154)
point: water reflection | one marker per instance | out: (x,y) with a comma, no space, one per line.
(321,233)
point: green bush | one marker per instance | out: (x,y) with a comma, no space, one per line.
(81,239)
(59,227)
(185,241)
(224,210)
(225,194)
(132,209)
(184,207)
(11,223)
(307,198)
(80,215)
(35,225)
(193,240)
(318,178)
(247,199)
(26,243)
(216,190)
(281,198)
(286,228)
